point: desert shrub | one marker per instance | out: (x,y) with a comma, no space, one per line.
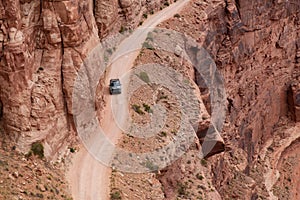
(163,133)
(145,15)
(199,176)
(39,195)
(150,37)
(204,162)
(137,109)
(72,150)
(116,195)
(166,3)
(177,15)
(163,97)
(109,51)
(122,29)
(181,189)
(144,77)
(146,45)
(37,148)
(147,108)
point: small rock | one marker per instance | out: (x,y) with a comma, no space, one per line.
(178,50)
(150,181)
(182,168)
(11,177)
(41,187)
(16,174)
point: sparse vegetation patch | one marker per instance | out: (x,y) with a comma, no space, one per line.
(116,195)
(137,109)
(144,77)
(37,148)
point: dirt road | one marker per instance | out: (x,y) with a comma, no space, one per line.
(89,179)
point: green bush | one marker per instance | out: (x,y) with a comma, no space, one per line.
(109,51)
(146,45)
(177,15)
(122,29)
(181,189)
(144,77)
(137,109)
(116,195)
(145,15)
(150,37)
(37,148)
(72,150)
(163,133)
(166,3)
(163,97)
(147,108)
(204,162)
(199,176)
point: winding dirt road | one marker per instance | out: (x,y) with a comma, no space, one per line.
(89,179)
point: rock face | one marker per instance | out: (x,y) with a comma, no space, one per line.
(40,39)
(114,16)
(43,44)
(255,48)
(255,45)
(294,95)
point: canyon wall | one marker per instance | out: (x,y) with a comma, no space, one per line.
(43,44)
(255,45)
(257,53)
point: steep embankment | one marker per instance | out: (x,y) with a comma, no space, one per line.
(43,44)
(23,177)
(256,48)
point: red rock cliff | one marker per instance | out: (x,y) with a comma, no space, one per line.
(43,44)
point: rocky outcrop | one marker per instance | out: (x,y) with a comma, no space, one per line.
(43,44)
(295,100)
(120,15)
(38,37)
(294,92)
(258,68)
(255,47)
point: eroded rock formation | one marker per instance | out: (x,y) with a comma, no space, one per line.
(43,44)
(255,45)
